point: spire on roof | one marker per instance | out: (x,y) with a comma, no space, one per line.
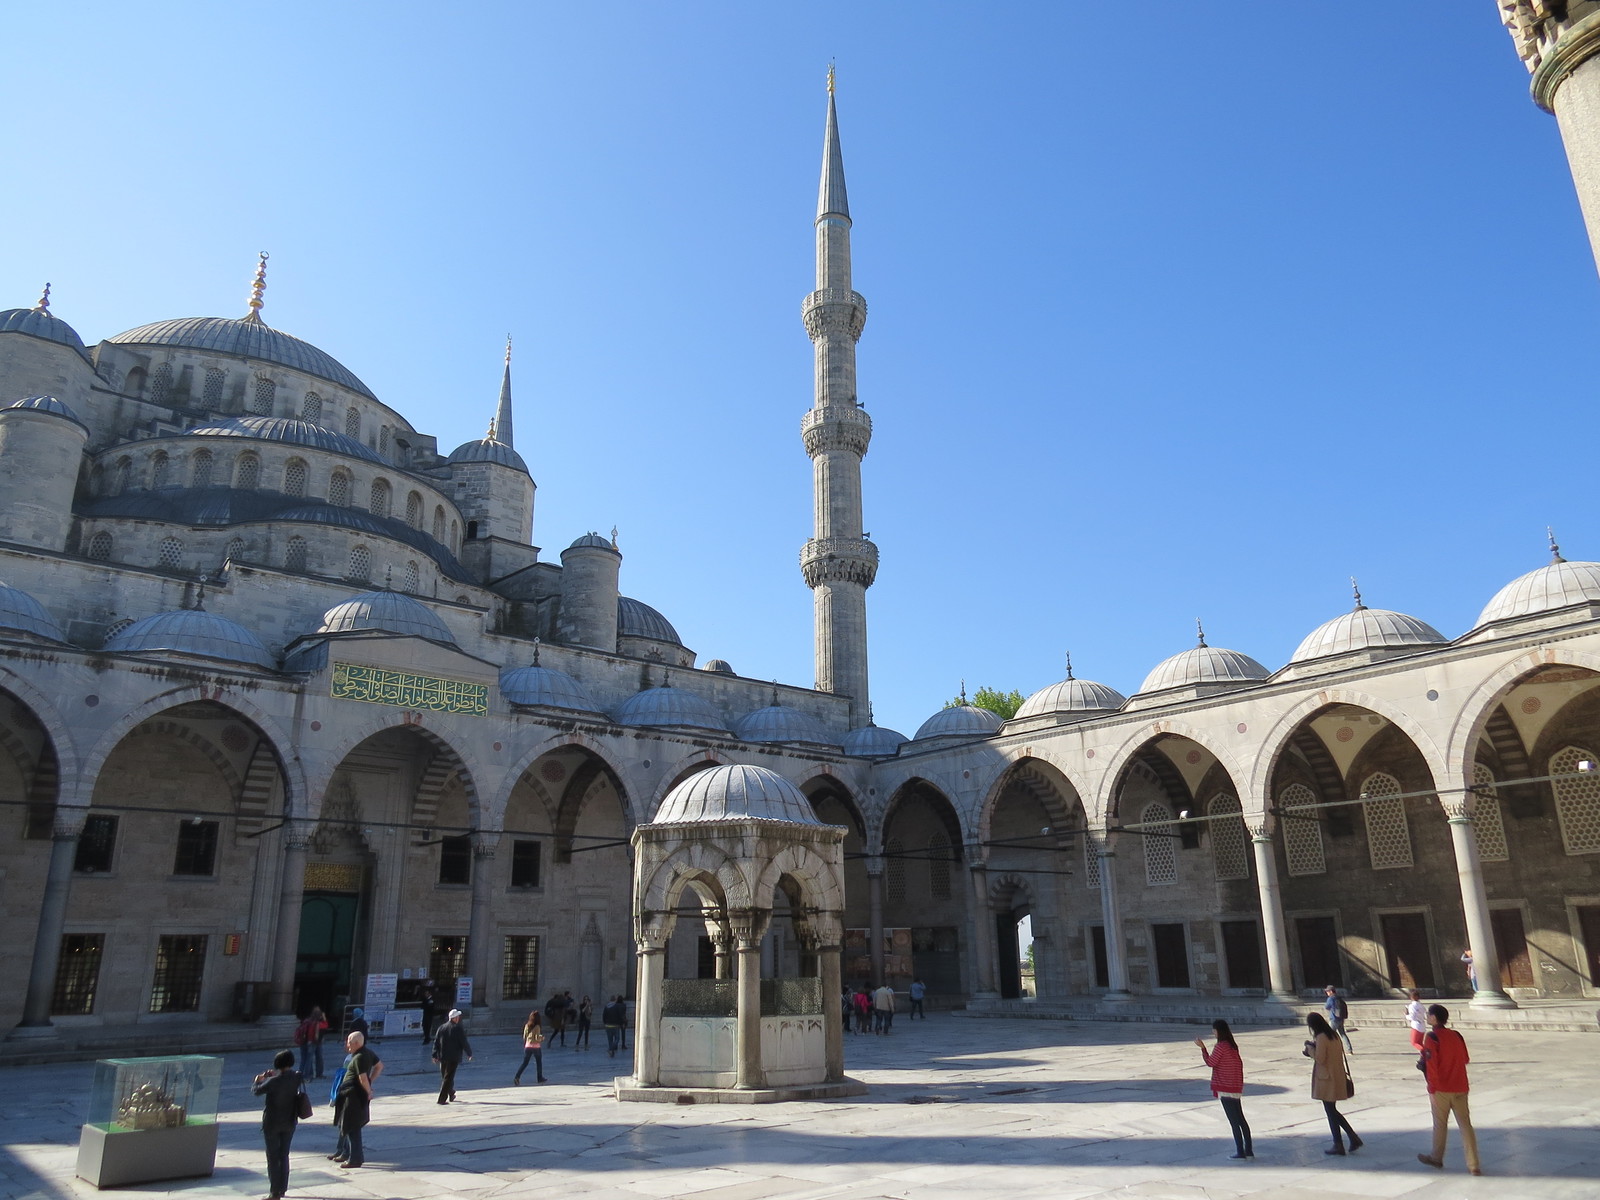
(257,288)
(1356,588)
(1200,630)
(44,302)
(502,413)
(831,196)
(1069,664)
(536,652)
(1555,550)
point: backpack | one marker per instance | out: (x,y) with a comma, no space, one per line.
(301,1034)
(1341,1009)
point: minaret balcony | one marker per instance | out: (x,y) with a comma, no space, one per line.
(836,427)
(839,560)
(834,311)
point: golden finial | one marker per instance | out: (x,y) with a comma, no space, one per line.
(489,437)
(830,79)
(44,301)
(257,288)
(613,537)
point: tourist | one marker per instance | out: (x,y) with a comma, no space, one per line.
(847,1007)
(532,1048)
(918,991)
(358,1023)
(1227,1085)
(862,1003)
(1337,1011)
(585,1021)
(430,1009)
(882,1009)
(555,1018)
(1330,1080)
(281,1087)
(352,1106)
(614,1016)
(308,1036)
(569,1019)
(450,1045)
(1444,1062)
(1416,1018)
(1472,969)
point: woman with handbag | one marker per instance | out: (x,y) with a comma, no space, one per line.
(285,1105)
(1330,1079)
(532,1048)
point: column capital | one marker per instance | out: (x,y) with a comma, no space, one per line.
(66,824)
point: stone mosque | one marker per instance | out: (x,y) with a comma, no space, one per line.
(289,696)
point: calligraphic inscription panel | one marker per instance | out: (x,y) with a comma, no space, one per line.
(428,693)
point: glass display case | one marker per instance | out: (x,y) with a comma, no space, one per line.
(150,1119)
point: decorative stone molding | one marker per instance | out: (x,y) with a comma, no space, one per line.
(836,427)
(1534,26)
(484,844)
(1561,48)
(67,823)
(839,560)
(834,311)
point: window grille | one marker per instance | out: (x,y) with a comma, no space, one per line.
(100,547)
(1487,822)
(160,467)
(1388,836)
(235,551)
(294,559)
(180,965)
(117,627)
(97,846)
(261,399)
(339,489)
(294,477)
(455,859)
(248,474)
(311,409)
(1091,862)
(939,866)
(525,863)
(412,580)
(894,869)
(200,469)
(414,510)
(352,423)
(161,384)
(1577,801)
(383,440)
(519,970)
(360,563)
(379,505)
(77,974)
(1302,832)
(1228,842)
(447,960)
(216,380)
(124,476)
(170,555)
(1160,845)
(438,524)
(197,848)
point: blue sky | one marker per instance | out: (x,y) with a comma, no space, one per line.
(1177,310)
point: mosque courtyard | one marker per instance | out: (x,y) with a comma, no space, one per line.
(958,1108)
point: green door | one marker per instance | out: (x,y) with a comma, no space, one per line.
(327,937)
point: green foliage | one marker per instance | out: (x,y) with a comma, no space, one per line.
(1003,704)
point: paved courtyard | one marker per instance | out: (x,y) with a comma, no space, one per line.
(959,1108)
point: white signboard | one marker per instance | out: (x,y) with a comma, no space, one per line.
(381,992)
(402,1022)
(464,993)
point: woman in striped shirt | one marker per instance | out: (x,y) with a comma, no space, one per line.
(1227,1085)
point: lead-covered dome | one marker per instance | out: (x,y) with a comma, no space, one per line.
(21,613)
(387,612)
(1556,585)
(546,687)
(246,337)
(670,706)
(873,741)
(192,631)
(1366,629)
(46,404)
(288,431)
(1072,696)
(780,723)
(735,793)
(41,323)
(719,666)
(488,450)
(960,720)
(1201,666)
(637,619)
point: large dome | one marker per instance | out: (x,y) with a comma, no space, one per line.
(872,741)
(735,793)
(192,631)
(1203,665)
(637,619)
(247,338)
(1556,585)
(286,430)
(389,612)
(1366,629)
(21,613)
(780,723)
(669,706)
(490,451)
(544,687)
(962,720)
(1072,696)
(41,323)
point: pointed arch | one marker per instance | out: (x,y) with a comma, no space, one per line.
(917,788)
(1477,710)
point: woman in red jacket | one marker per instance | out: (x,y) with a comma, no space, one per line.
(1227,1085)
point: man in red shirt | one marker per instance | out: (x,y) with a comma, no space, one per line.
(1444,1060)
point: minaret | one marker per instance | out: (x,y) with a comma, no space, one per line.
(502,412)
(1559,40)
(839,563)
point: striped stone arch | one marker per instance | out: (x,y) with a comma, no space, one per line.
(1474,716)
(661,884)
(1126,755)
(821,777)
(255,794)
(446,762)
(590,774)
(180,732)
(821,883)
(555,742)
(40,708)
(444,766)
(1046,783)
(951,816)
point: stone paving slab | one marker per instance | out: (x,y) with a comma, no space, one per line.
(959,1110)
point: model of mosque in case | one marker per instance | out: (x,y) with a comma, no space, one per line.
(150,1119)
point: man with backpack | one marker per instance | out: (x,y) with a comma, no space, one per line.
(1338,1010)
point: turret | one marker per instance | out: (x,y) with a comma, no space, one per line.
(496,492)
(41,449)
(589,571)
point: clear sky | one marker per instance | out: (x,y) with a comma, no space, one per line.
(1177,310)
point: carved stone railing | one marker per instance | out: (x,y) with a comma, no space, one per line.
(839,560)
(836,427)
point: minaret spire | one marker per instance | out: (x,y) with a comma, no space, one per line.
(502,413)
(839,563)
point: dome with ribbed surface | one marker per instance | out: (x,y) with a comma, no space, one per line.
(246,338)
(288,431)
(192,631)
(544,687)
(735,793)
(1072,696)
(636,619)
(1556,585)
(872,741)
(593,541)
(389,612)
(47,404)
(1366,629)
(1203,665)
(719,666)
(669,706)
(961,720)
(41,323)
(21,613)
(490,451)
(780,723)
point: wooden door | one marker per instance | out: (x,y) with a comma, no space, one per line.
(1102,964)
(1405,944)
(1511,948)
(1172,955)
(1241,951)
(1589,928)
(1320,961)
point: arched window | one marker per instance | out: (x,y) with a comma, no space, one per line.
(134,383)
(216,382)
(294,558)
(235,551)
(170,554)
(438,523)
(1388,836)
(294,477)
(263,396)
(1227,839)
(939,866)
(1160,845)
(1577,800)
(383,440)
(412,580)
(311,408)
(414,510)
(123,477)
(1302,832)
(379,505)
(200,469)
(160,468)
(1487,823)
(161,384)
(339,489)
(472,531)
(100,546)
(352,423)
(360,563)
(248,473)
(117,627)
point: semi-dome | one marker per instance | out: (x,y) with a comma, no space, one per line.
(41,323)
(21,613)
(1072,696)
(546,687)
(780,723)
(960,720)
(719,666)
(636,619)
(192,631)
(669,706)
(246,337)
(48,404)
(735,793)
(490,451)
(873,741)
(1203,665)
(1366,629)
(288,431)
(1553,586)
(389,612)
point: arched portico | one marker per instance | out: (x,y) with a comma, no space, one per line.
(920,905)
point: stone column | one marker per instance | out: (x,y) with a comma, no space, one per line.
(64,834)
(748,929)
(481,922)
(721,943)
(825,946)
(1111,915)
(1475,904)
(291,896)
(983,973)
(875,919)
(651,943)
(1273,927)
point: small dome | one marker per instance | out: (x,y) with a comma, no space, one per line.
(245,338)
(635,619)
(735,793)
(286,430)
(593,541)
(669,706)
(490,451)
(544,686)
(1556,585)
(719,666)
(780,723)
(1366,629)
(390,612)
(1072,696)
(41,323)
(961,720)
(191,631)
(21,613)
(47,404)
(871,741)
(1202,665)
